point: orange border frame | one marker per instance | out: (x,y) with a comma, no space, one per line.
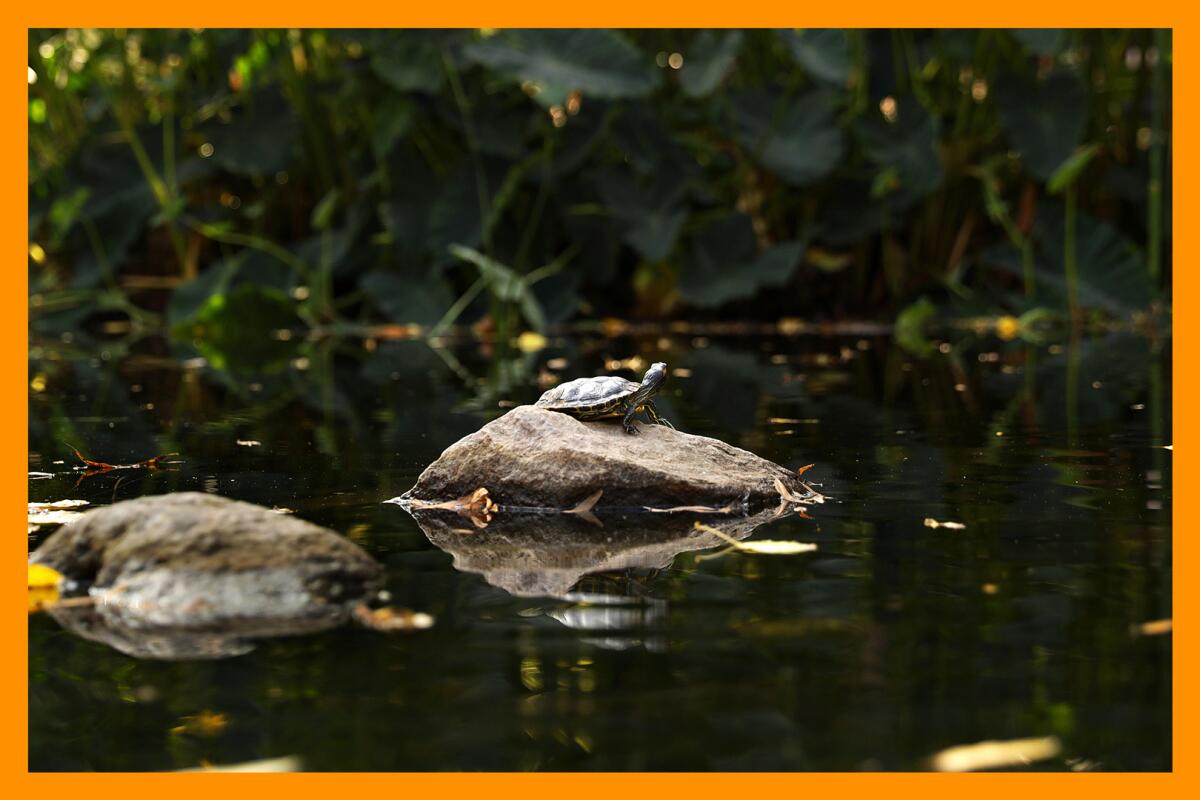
(543,13)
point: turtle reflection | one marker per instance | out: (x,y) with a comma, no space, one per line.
(617,607)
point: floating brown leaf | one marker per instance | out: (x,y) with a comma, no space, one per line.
(206,723)
(389,620)
(476,506)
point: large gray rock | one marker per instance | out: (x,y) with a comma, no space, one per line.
(196,575)
(531,457)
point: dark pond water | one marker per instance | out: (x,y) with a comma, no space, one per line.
(891,642)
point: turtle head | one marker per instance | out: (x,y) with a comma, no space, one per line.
(653,380)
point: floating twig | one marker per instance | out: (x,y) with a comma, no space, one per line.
(728,508)
(91,467)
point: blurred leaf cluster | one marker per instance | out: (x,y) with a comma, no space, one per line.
(238,181)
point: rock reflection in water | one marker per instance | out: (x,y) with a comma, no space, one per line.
(232,638)
(560,556)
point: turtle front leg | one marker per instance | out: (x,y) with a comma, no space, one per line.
(652,412)
(627,420)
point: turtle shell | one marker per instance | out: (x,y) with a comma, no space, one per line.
(588,394)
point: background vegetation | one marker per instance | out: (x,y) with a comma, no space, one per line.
(214,181)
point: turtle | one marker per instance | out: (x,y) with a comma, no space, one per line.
(606,396)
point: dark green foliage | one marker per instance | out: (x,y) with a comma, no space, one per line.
(848,171)
(1040,41)
(652,216)
(1112,274)
(905,152)
(710,58)
(722,264)
(403,299)
(797,138)
(824,54)
(1043,119)
(258,141)
(597,62)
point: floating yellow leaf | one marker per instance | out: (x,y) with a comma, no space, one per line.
(1153,628)
(995,754)
(930,522)
(531,342)
(283,764)
(1008,327)
(762,547)
(43,587)
(770,547)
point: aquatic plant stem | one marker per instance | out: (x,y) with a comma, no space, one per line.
(1157,426)
(1027,266)
(162,193)
(252,241)
(1155,188)
(1072,388)
(1069,264)
(539,204)
(460,305)
(481,187)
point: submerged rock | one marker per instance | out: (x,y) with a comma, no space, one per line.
(531,457)
(191,575)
